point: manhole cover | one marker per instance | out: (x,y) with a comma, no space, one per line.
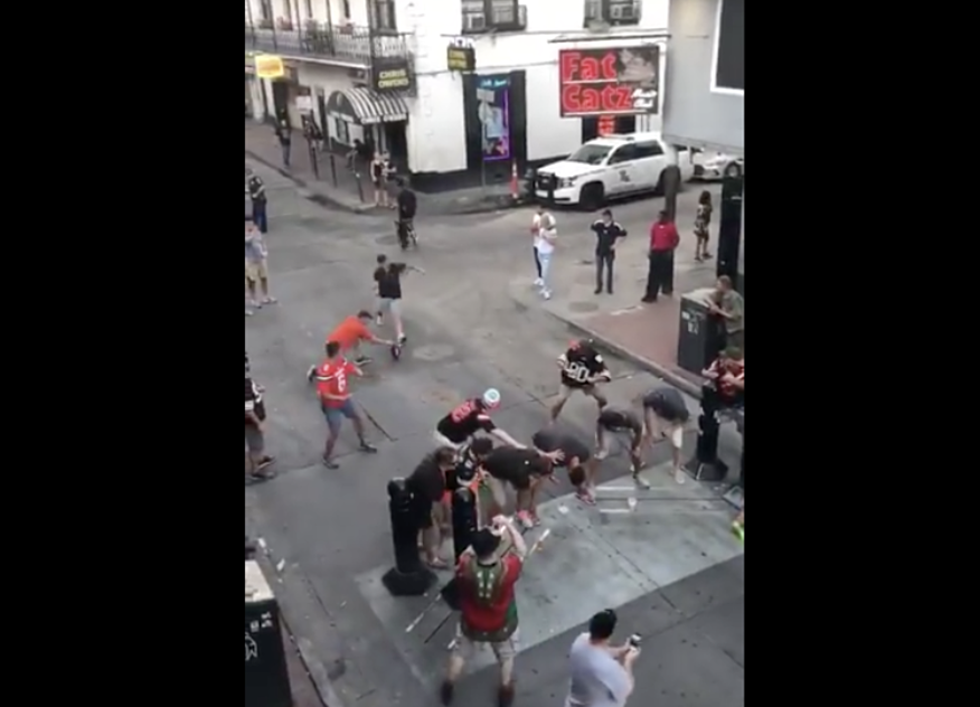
(432,352)
(390,239)
(582,307)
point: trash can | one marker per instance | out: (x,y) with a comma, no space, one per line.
(266,674)
(699,336)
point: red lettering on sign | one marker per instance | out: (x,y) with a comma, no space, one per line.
(583,98)
(586,66)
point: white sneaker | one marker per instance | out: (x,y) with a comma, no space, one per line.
(253,305)
(538,282)
(546,294)
(679,476)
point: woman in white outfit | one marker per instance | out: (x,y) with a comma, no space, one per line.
(545,233)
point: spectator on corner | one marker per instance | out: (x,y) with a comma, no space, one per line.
(284,133)
(664,239)
(728,304)
(256,191)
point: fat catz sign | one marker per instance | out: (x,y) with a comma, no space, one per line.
(621,81)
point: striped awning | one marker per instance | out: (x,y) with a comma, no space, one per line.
(366,107)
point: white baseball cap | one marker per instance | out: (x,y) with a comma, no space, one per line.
(491,398)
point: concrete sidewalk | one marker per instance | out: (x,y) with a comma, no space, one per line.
(262,145)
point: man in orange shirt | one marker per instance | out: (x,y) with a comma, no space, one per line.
(333,388)
(349,334)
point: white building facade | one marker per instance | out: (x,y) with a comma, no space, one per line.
(391,81)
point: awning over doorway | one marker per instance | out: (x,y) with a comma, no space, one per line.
(366,107)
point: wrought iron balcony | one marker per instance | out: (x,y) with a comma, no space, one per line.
(319,40)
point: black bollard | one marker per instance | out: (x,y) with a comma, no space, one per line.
(705,465)
(409,577)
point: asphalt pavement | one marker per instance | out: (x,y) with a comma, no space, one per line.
(329,529)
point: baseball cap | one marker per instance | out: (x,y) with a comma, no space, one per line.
(491,398)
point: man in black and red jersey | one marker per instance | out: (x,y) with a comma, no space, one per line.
(726,381)
(469,417)
(582,368)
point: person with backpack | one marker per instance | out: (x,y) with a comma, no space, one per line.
(486,576)
(664,415)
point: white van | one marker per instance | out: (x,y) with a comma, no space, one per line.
(612,167)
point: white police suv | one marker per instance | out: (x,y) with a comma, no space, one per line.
(612,167)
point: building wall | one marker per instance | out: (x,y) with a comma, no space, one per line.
(436,130)
(693,114)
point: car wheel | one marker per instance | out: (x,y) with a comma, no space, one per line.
(591,197)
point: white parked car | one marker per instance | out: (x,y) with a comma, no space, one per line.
(612,167)
(710,166)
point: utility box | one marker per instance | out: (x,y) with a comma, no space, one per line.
(266,674)
(699,336)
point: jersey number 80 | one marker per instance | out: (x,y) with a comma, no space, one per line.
(577,372)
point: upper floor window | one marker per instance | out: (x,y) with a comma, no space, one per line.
(612,12)
(493,15)
(729,50)
(383,14)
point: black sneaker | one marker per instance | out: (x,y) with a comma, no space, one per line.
(365,447)
(330,463)
(446,693)
(257,477)
(598,290)
(362,361)
(609,290)
(649,300)
(505,696)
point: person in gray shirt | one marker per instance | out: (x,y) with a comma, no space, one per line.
(256,268)
(601,675)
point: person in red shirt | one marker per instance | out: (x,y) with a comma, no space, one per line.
(485,577)
(332,379)
(351,332)
(663,240)
(726,381)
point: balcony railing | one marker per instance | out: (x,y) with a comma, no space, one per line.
(319,40)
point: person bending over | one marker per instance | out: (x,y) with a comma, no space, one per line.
(524,470)
(468,418)
(574,455)
(664,415)
(619,422)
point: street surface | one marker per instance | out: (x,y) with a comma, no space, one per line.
(672,570)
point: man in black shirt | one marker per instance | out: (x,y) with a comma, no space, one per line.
(618,421)
(387,277)
(664,414)
(581,369)
(470,417)
(256,191)
(575,456)
(427,485)
(607,232)
(524,469)
(285,135)
(407,204)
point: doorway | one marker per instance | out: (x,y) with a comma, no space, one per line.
(396,144)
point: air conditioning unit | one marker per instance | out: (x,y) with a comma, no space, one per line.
(475,22)
(622,12)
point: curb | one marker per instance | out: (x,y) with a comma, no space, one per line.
(657,369)
(498,203)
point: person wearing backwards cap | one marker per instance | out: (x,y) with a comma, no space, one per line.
(469,417)
(486,575)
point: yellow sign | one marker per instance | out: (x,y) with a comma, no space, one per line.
(389,79)
(269,66)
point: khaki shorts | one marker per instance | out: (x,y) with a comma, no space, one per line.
(256,271)
(497,490)
(465,648)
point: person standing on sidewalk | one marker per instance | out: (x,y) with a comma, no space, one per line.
(547,235)
(607,232)
(601,676)
(284,133)
(541,217)
(487,574)
(663,240)
(256,268)
(701,222)
(256,191)
(728,304)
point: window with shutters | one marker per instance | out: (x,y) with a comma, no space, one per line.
(484,16)
(613,13)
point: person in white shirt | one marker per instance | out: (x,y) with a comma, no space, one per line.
(545,231)
(601,675)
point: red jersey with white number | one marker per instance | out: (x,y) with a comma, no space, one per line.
(333,381)
(465,420)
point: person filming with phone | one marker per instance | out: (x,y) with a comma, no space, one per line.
(601,674)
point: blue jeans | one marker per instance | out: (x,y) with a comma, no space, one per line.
(544,260)
(336,415)
(285,155)
(259,216)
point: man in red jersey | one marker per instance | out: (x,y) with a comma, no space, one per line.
(663,241)
(486,574)
(332,379)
